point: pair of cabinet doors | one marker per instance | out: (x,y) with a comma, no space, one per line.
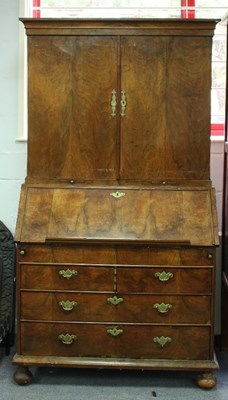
(119,107)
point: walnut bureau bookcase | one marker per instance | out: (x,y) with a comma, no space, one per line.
(116,232)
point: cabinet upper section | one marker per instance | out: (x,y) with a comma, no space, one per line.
(126,215)
(119,99)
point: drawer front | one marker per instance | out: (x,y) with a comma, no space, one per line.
(129,279)
(165,280)
(143,341)
(149,255)
(115,308)
(114,254)
(73,254)
(66,277)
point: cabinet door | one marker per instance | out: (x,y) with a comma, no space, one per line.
(71,131)
(188,90)
(143,126)
(165,133)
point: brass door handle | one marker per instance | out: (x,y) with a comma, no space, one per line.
(68,273)
(113,103)
(67,305)
(123,103)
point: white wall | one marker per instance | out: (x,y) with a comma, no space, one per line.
(12,153)
(217,150)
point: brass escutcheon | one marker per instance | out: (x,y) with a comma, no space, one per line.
(113,103)
(117,195)
(123,103)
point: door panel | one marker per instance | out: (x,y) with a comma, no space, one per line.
(143,126)
(188,86)
(167,119)
(165,133)
(70,85)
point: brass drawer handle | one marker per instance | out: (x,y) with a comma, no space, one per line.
(162,340)
(163,276)
(67,305)
(67,338)
(115,331)
(68,273)
(113,103)
(162,308)
(117,195)
(115,300)
(123,103)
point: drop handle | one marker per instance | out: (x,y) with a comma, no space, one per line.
(162,340)
(67,305)
(68,273)
(114,300)
(115,331)
(163,276)
(67,338)
(162,308)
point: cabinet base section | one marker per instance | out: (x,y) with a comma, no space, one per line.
(117,363)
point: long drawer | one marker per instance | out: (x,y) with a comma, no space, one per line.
(113,307)
(149,279)
(116,254)
(137,341)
